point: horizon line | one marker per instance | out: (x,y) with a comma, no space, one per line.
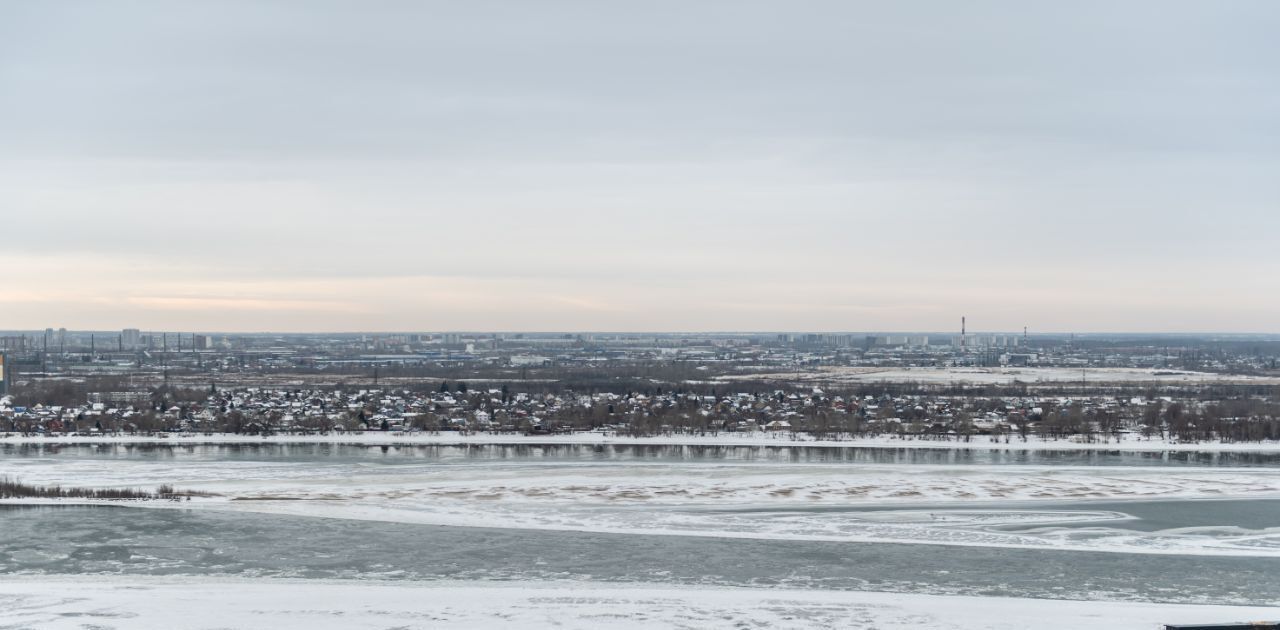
(1028,333)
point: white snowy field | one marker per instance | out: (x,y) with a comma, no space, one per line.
(998,375)
(449,438)
(962,505)
(181,603)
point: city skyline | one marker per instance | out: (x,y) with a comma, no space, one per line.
(35,333)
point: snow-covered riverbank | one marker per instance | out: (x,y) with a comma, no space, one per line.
(780,439)
(185,603)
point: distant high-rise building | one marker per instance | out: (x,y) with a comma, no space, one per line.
(131,338)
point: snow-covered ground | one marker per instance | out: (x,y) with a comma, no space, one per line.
(380,438)
(178,603)
(999,375)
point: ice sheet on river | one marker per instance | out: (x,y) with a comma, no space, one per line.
(753,500)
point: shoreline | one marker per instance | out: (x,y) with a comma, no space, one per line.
(379,438)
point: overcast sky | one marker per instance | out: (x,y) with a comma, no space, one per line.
(647,165)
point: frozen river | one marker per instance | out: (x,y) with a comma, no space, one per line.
(1085,525)
(123,541)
